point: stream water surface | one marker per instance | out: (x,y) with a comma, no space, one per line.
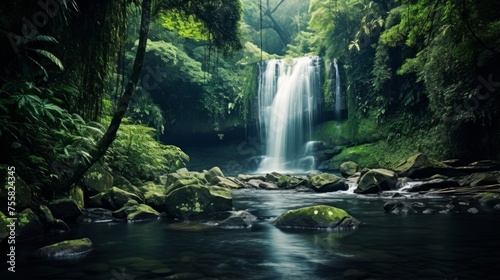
(386,246)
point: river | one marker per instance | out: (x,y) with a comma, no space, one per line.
(386,246)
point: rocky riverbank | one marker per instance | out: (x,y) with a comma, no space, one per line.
(206,197)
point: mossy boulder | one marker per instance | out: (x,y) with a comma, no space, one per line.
(136,212)
(28,224)
(273,177)
(434,184)
(195,200)
(46,216)
(348,168)
(97,180)
(376,180)
(290,182)
(65,209)
(326,182)
(421,166)
(77,195)
(317,217)
(212,174)
(69,249)
(115,198)
(155,200)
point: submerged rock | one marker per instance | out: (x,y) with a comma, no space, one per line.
(96,215)
(317,217)
(231,219)
(197,200)
(69,249)
(348,168)
(326,182)
(489,199)
(376,180)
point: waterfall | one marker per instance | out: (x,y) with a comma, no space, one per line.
(338,102)
(288,97)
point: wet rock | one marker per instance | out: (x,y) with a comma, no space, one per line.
(185,276)
(326,182)
(428,211)
(136,212)
(290,182)
(376,180)
(348,168)
(96,215)
(489,199)
(246,178)
(480,179)
(473,210)
(273,177)
(69,249)
(65,209)
(95,201)
(224,182)
(303,189)
(46,216)
(420,166)
(211,174)
(156,200)
(317,217)
(196,200)
(391,205)
(77,195)
(268,186)
(497,207)
(115,198)
(231,219)
(60,226)
(433,184)
(97,180)
(254,183)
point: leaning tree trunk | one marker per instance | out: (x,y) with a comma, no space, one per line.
(109,136)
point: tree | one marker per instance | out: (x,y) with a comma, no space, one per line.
(222,31)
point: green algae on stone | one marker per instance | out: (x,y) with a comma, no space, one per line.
(66,249)
(317,217)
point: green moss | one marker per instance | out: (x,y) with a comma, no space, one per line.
(220,191)
(320,216)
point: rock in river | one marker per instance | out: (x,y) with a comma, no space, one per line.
(195,200)
(326,182)
(376,180)
(69,249)
(317,217)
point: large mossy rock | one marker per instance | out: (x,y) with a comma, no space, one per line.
(348,168)
(317,217)
(136,212)
(376,180)
(28,224)
(77,195)
(46,216)
(69,249)
(194,200)
(65,209)
(290,182)
(224,182)
(97,180)
(115,198)
(326,182)
(420,166)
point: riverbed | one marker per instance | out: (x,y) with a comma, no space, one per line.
(386,246)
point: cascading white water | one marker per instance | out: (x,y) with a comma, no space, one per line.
(338,101)
(289,97)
